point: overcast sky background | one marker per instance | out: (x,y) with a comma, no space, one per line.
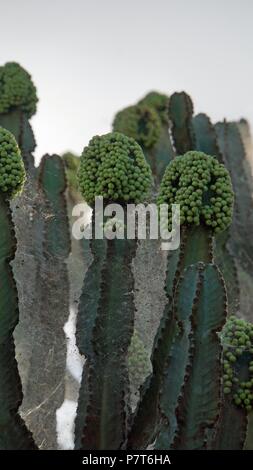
(91,58)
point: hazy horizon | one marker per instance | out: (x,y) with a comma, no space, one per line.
(90,59)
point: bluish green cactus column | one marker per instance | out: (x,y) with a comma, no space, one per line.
(112,166)
(14,434)
(186,345)
(202,186)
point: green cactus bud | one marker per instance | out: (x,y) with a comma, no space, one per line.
(159,102)
(12,171)
(139,122)
(235,359)
(138,357)
(17,90)
(98,174)
(199,193)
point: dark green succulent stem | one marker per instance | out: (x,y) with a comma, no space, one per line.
(160,155)
(231,429)
(145,426)
(178,361)
(205,136)
(180,115)
(104,331)
(51,301)
(199,407)
(206,141)
(86,320)
(248,444)
(14,434)
(227,264)
(239,243)
(52,181)
(233,151)
(196,245)
(190,396)
(89,300)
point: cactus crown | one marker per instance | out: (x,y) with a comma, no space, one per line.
(202,187)
(12,171)
(140,122)
(17,89)
(237,338)
(159,102)
(113,166)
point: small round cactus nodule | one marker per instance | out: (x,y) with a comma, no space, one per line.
(159,102)
(139,364)
(140,122)
(202,186)
(12,170)
(113,166)
(237,341)
(17,90)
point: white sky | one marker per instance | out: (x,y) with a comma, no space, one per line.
(89,58)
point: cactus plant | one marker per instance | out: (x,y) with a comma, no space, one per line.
(110,167)
(234,425)
(147,122)
(238,359)
(40,217)
(16,89)
(14,433)
(159,102)
(194,180)
(18,102)
(206,141)
(182,404)
(139,122)
(240,242)
(52,281)
(180,115)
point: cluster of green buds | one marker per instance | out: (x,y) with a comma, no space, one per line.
(159,102)
(17,90)
(237,340)
(113,166)
(140,122)
(202,186)
(12,171)
(139,365)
